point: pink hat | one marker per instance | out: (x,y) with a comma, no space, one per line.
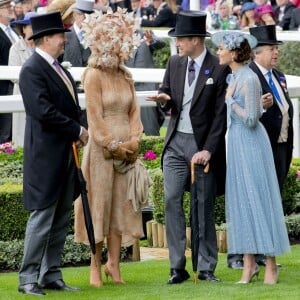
(264,9)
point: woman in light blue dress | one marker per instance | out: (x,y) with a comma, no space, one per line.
(254,214)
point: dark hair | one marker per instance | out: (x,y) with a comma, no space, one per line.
(243,53)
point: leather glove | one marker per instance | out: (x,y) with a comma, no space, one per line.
(107,154)
(121,153)
(133,146)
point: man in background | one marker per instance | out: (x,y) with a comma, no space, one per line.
(7,38)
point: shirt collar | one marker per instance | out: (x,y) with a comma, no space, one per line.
(263,70)
(199,60)
(45,55)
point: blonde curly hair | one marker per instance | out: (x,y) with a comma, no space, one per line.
(111,37)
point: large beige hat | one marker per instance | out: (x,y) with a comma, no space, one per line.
(4,2)
(65,7)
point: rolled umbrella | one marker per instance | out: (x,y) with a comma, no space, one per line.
(85,203)
(194,217)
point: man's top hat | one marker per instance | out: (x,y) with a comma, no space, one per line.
(84,6)
(46,24)
(265,35)
(190,23)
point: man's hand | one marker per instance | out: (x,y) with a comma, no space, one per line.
(201,157)
(267,100)
(162,98)
(84,136)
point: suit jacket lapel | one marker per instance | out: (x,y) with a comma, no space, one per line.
(4,36)
(205,73)
(56,78)
(180,79)
(264,84)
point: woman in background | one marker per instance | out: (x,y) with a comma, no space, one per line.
(254,214)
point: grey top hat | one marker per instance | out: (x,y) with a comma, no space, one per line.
(265,35)
(84,6)
(190,23)
(46,24)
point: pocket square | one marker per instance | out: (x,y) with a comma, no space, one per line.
(209,81)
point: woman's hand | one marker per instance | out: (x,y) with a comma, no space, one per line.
(230,91)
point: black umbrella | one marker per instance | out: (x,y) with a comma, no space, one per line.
(85,203)
(194,215)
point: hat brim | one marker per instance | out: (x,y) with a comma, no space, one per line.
(173,33)
(21,22)
(269,42)
(48,32)
(217,38)
(81,11)
(67,12)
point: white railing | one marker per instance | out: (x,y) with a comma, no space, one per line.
(13,103)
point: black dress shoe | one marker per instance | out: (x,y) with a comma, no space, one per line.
(178,276)
(31,289)
(59,285)
(236,265)
(208,276)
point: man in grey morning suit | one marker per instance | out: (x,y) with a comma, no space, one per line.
(196,132)
(50,181)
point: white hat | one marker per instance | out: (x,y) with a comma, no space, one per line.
(84,6)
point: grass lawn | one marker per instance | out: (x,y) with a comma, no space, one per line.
(147,280)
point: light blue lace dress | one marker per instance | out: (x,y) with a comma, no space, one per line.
(254,214)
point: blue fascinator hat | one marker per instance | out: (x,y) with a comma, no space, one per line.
(232,39)
(26,20)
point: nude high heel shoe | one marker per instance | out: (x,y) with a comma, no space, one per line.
(255,273)
(275,280)
(108,273)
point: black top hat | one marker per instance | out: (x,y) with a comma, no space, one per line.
(265,35)
(190,23)
(46,24)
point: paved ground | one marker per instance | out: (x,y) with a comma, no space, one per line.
(156,253)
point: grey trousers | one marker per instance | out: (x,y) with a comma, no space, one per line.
(176,171)
(45,236)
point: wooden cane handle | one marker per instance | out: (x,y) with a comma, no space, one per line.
(75,154)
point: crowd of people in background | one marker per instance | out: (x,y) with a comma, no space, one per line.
(222,14)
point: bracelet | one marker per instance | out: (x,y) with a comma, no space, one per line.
(113,146)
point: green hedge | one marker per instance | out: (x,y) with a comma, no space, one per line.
(13,217)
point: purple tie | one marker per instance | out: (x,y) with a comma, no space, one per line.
(58,68)
(61,72)
(191,70)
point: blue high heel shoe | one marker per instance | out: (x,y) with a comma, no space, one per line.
(255,273)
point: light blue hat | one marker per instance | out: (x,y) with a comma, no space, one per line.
(232,39)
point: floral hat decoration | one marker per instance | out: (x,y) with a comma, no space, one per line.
(232,39)
(110,36)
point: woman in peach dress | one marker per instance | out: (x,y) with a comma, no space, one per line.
(115,131)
